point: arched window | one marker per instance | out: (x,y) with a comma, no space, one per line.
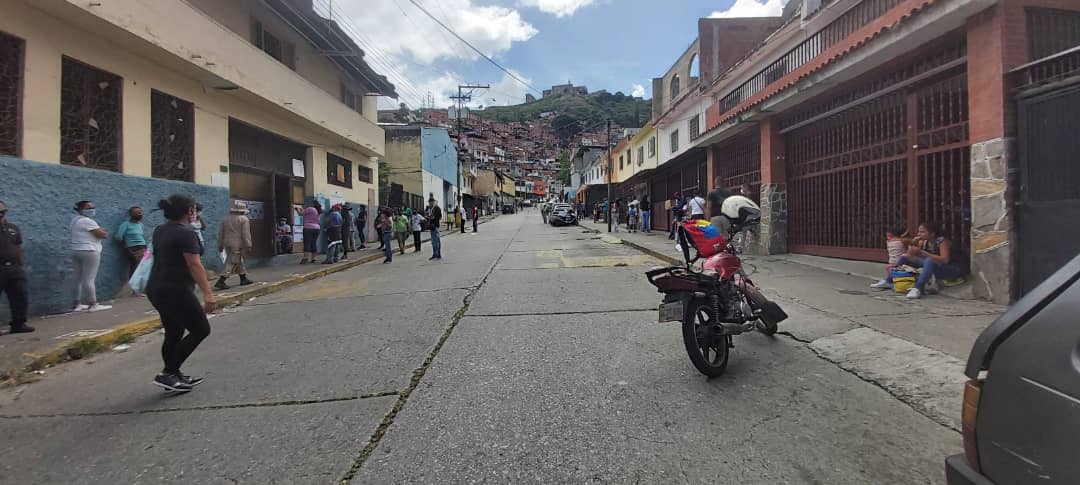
(674,86)
(695,67)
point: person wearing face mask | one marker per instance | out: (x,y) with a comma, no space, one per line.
(86,236)
(13,272)
(130,234)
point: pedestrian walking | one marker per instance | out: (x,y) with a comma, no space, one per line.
(386,228)
(615,214)
(199,225)
(13,272)
(677,205)
(130,235)
(86,236)
(417,227)
(461,217)
(310,217)
(347,242)
(176,270)
(631,216)
(434,215)
(401,230)
(234,238)
(334,223)
(646,213)
(475,218)
(378,229)
(361,227)
(450,218)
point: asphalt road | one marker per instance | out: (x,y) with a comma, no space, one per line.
(529,354)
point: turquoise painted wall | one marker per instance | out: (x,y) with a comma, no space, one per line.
(40,197)
(439,154)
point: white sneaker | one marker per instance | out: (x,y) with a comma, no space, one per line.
(98,307)
(881,285)
(914,294)
(80,308)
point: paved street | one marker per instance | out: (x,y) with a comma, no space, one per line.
(529,354)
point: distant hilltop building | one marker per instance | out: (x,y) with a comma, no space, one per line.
(567,88)
(529,98)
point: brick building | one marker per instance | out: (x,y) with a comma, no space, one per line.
(864,114)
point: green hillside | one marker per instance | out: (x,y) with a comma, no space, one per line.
(588,111)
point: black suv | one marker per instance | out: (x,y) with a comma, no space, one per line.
(1021,411)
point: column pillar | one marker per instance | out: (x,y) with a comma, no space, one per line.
(774,210)
(995,39)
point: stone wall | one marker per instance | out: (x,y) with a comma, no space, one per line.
(40,199)
(991,219)
(772,233)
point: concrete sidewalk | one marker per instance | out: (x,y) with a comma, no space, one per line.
(915,349)
(70,336)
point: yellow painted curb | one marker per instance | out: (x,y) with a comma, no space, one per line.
(86,346)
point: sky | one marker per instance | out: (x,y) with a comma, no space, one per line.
(617,45)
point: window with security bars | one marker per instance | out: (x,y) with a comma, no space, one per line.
(674,141)
(90,123)
(652,147)
(621,161)
(351,99)
(338,171)
(11,80)
(1051,31)
(283,51)
(172,137)
(695,127)
(367,175)
(640,155)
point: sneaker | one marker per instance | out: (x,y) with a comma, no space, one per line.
(220,285)
(914,294)
(191,381)
(881,285)
(170,382)
(99,307)
(24,328)
(80,308)
(245,282)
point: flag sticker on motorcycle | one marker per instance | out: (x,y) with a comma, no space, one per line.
(671,311)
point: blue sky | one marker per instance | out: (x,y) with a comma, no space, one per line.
(617,45)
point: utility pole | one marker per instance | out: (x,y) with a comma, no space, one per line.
(609,168)
(461,98)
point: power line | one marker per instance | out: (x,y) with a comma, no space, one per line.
(462,39)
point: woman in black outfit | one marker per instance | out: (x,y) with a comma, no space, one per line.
(177,268)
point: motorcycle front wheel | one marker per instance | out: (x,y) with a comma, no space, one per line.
(708,351)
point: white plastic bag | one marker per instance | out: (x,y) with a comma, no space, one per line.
(141,275)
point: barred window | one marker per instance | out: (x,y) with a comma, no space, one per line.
(695,127)
(90,123)
(640,155)
(674,141)
(652,147)
(367,175)
(172,137)
(338,171)
(11,81)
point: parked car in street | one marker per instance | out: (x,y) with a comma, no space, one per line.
(562,214)
(1021,407)
(508,209)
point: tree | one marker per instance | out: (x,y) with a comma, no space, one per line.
(564,168)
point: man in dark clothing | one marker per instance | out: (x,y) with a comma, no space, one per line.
(475,217)
(347,243)
(361,225)
(646,211)
(434,216)
(13,272)
(333,235)
(676,213)
(716,202)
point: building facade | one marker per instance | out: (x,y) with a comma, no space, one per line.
(225,100)
(423,161)
(860,115)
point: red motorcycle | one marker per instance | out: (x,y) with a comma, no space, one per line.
(714,303)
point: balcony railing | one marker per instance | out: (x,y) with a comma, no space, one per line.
(850,21)
(1049,70)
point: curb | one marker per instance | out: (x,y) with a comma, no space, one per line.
(125,332)
(651,252)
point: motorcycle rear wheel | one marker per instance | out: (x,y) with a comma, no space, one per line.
(708,352)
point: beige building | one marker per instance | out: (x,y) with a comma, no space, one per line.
(266,98)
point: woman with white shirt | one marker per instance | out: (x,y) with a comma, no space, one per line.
(86,236)
(417,223)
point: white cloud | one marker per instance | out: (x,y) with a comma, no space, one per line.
(751,8)
(558,8)
(506,91)
(638,91)
(400,29)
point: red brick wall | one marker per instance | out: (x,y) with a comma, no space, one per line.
(997,43)
(773,165)
(723,42)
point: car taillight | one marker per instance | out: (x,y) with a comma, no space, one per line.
(970,412)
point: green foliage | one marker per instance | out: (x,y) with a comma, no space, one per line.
(588,111)
(564,167)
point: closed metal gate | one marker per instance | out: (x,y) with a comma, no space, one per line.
(898,159)
(1049,204)
(738,163)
